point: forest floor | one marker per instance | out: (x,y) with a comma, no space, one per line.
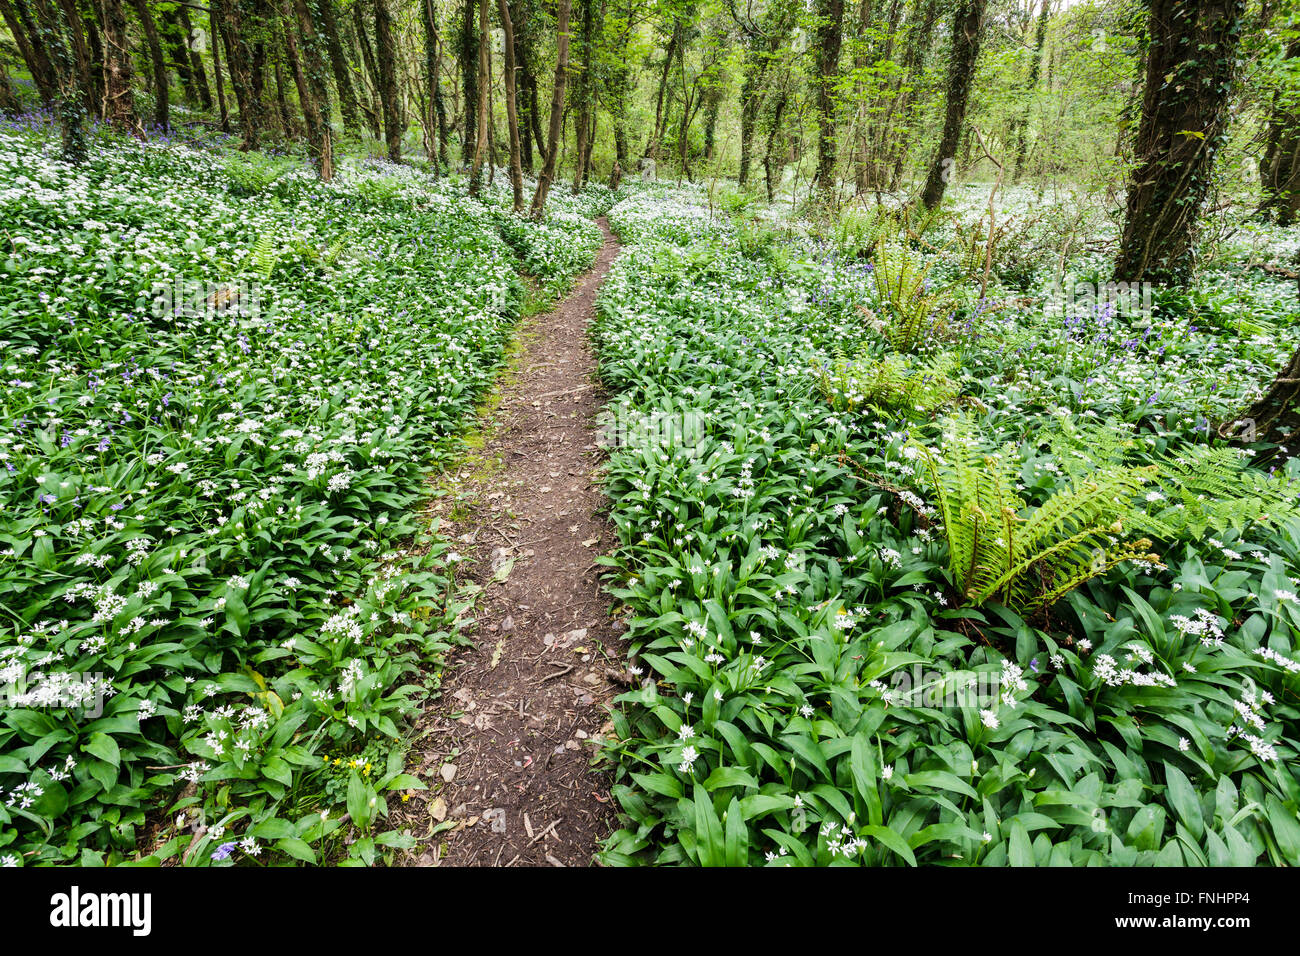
(508,746)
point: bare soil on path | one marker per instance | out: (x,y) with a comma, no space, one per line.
(508,747)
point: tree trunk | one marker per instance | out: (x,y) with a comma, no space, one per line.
(1190,66)
(386,59)
(830,34)
(239,62)
(512,110)
(778,112)
(557,111)
(966,27)
(482,119)
(329,28)
(313,88)
(526,102)
(467,54)
(90,68)
(161,114)
(368,64)
(1031,85)
(582,93)
(1275,417)
(70,98)
(674,42)
(750,99)
(197,71)
(285,52)
(34,53)
(1281,170)
(174,40)
(214,30)
(119,103)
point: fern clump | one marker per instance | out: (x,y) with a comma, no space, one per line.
(892,383)
(1000,548)
(1195,488)
(252,173)
(910,310)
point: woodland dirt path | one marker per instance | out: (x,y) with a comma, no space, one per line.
(521,712)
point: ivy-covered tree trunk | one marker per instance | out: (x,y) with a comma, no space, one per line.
(482,117)
(830,34)
(1276,416)
(9,105)
(313,87)
(967,25)
(582,93)
(467,55)
(234,29)
(218,81)
(70,98)
(119,99)
(386,60)
(1031,84)
(174,42)
(285,52)
(329,30)
(437,119)
(367,92)
(1281,170)
(90,65)
(557,112)
(1190,64)
(35,54)
(512,108)
(161,116)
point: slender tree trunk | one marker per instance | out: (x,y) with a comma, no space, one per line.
(370,70)
(329,28)
(713,105)
(1190,65)
(9,105)
(284,53)
(239,61)
(467,54)
(967,24)
(34,53)
(174,41)
(830,34)
(434,123)
(313,87)
(161,115)
(215,31)
(119,102)
(1281,170)
(582,93)
(526,101)
(512,111)
(197,71)
(557,111)
(750,99)
(70,100)
(1031,85)
(386,57)
(674,42)
(482,119)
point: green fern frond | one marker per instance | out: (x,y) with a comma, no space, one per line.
(999,547)
(264,256)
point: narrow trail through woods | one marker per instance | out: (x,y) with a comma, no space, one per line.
(509,744)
